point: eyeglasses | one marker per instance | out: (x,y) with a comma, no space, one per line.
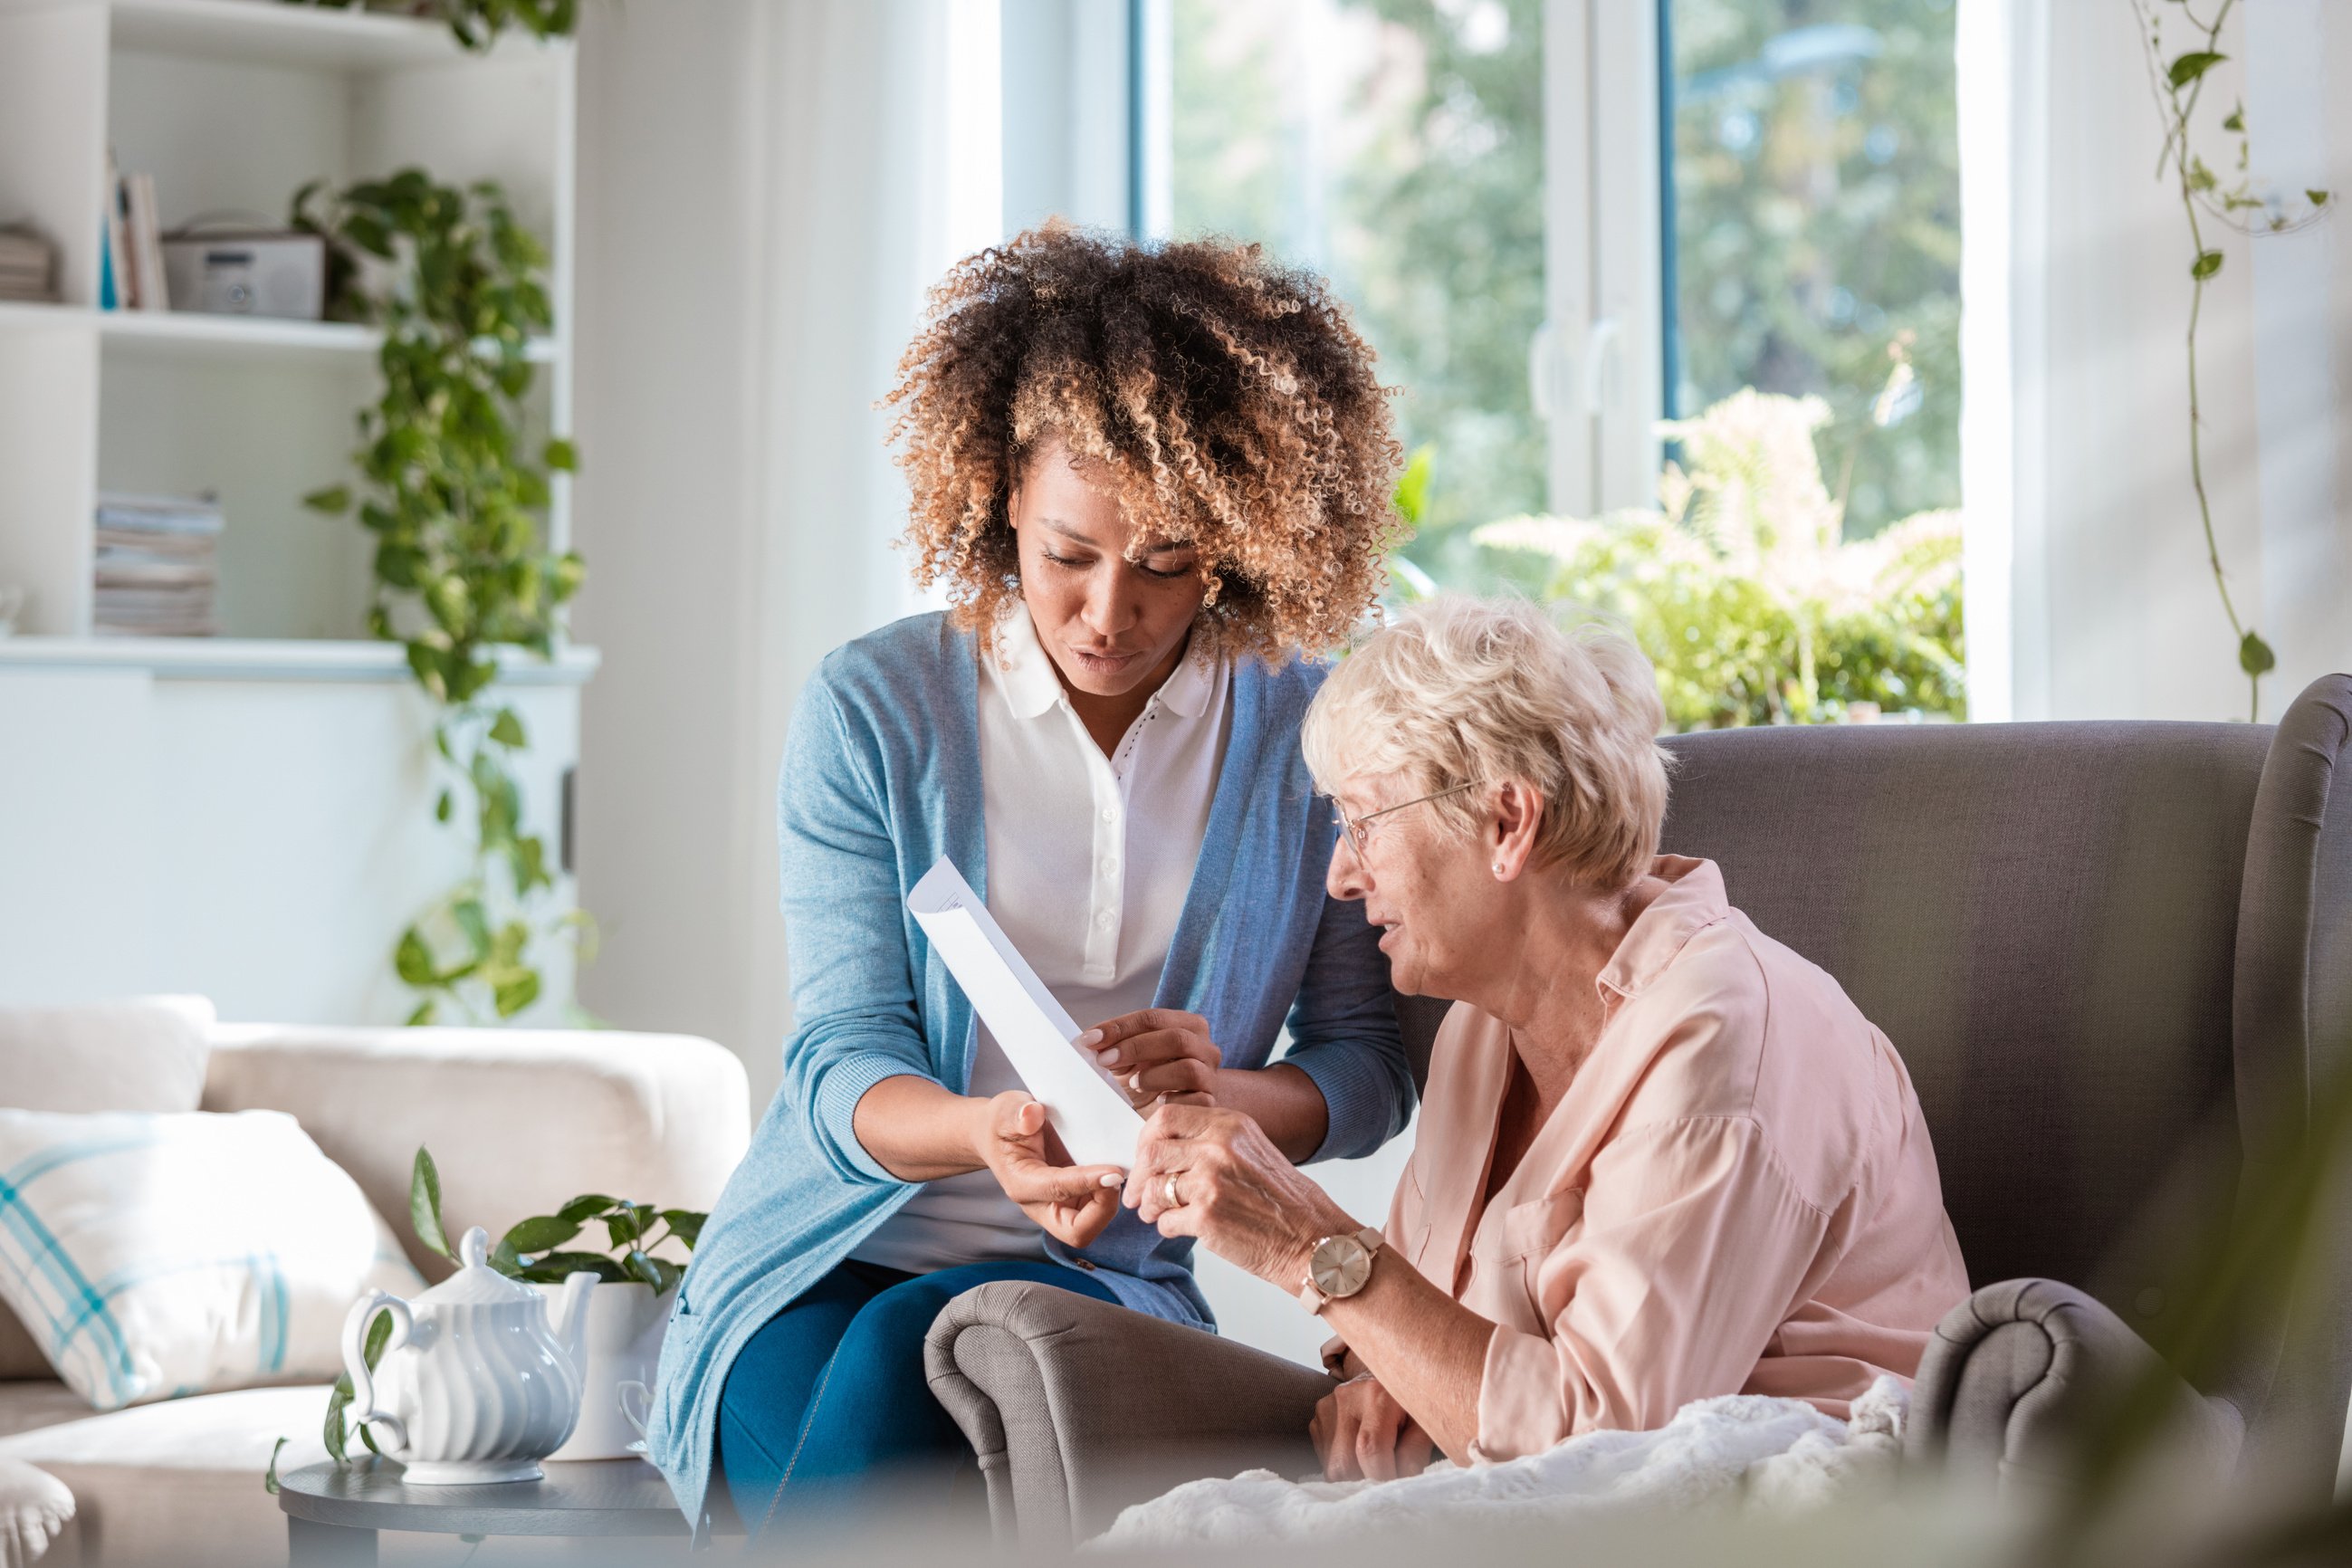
(1353,826)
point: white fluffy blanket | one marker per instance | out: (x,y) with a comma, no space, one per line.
(1741,1450)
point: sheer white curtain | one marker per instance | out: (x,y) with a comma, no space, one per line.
(767,189)
(2089,592)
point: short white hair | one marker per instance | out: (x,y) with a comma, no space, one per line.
(1458,690)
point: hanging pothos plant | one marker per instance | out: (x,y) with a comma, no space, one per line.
(462,566)
(476,23)
(2231,200)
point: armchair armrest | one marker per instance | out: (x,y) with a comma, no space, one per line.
(2013,1373)
(517,1120)
(1078,1408)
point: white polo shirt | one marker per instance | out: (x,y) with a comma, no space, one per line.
(1089,859)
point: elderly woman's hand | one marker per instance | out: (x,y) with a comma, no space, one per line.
(1361,1433)
(1206,1171)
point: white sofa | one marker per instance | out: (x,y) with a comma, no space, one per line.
(518,1120)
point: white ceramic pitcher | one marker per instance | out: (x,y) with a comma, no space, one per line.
(475,1383)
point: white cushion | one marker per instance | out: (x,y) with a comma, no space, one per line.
(155,1255)
(147,1054)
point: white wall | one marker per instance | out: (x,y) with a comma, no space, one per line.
(765,197)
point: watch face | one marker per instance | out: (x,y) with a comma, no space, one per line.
(1340,1266)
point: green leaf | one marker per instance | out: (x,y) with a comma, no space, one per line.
(626,1227)
(412,961)
(2237,120)
(530,865)
(378,1335)
(368,1438)
(587,1206)
(335,1432)
(541,1233)
(2255,657)
(671,1275)
(2317,198)
(442,806)
(685,1224)
(269,1475)
(511,997)
(558,1267)
(334,499)
(1412,485)
(507,729)
(506,1258)
(641,1268)
(2207,264)
(2191,66)
(562,457)
(424,1204)
(422,1014)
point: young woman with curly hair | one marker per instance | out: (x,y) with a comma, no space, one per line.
(1154,480)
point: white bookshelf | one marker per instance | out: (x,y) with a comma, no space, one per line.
(233,105)
(248,815)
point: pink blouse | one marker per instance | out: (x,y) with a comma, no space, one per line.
(1736,1195)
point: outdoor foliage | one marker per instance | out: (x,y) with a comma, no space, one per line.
(1743,590)
(461,565)
(1817,194)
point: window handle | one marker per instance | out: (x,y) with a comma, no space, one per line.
(1554,388)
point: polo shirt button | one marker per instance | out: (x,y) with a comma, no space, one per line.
(1087,1266)
(1102,921)
(1110,865)
(1108,814)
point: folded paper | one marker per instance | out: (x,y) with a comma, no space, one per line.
(1084,1103)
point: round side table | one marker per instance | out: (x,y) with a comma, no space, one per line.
(332,1515)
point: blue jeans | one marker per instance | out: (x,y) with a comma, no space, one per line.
(829,1402)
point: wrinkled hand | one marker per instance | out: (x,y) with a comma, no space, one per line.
(1361,1433)
(1072,1204)
(1234,1190)
(1160,1055)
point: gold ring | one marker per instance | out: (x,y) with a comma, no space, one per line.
(1168,1187)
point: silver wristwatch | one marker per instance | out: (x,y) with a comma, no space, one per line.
(1339,1267)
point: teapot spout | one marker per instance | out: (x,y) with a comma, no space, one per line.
(572,1317)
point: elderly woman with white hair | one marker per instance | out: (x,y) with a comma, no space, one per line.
(1661,1156)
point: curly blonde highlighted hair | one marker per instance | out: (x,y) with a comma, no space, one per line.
(1222,401)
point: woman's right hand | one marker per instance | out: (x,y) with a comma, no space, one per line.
(1072,1204)
(1361,1433)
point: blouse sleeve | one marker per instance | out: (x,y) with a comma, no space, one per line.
(852,979)
(1692,1249)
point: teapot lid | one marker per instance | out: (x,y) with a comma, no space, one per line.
(476,1283)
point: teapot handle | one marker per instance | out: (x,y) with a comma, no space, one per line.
(363,1407)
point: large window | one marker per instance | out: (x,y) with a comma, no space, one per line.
(1562,222)
(1395,145)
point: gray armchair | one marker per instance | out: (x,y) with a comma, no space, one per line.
(2100,947)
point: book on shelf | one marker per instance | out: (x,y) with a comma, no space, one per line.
(130,260)
(156,569)
(149,289)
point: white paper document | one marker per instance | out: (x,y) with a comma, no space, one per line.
(1086,1105)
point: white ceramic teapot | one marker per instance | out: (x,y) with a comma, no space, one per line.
(475,1385)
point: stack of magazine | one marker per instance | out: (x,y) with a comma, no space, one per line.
(27,265)
(157,566)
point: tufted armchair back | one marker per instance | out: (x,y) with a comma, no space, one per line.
(2111,955)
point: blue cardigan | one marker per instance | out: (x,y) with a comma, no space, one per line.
(881,777)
